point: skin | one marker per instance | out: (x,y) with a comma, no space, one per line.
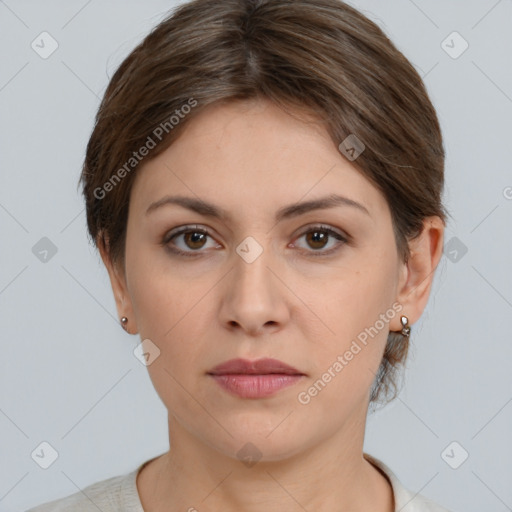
(251,158)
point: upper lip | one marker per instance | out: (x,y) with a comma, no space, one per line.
(257,367)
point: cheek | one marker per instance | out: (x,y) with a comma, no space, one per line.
(155,296)
(357,309)
(162,290)
(167,314)
(355,296)
(163,307)
(167,307)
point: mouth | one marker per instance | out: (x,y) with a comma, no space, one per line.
(255,379)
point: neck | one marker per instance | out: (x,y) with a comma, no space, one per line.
(328,477)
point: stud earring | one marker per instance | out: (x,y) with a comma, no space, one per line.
(124,321)
(406,330)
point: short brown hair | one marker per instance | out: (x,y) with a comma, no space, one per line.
(319,56)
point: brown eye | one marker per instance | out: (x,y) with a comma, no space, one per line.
(194,239)
(187,241)
(318,237)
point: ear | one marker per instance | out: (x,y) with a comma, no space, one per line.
(417,274)
(118,282)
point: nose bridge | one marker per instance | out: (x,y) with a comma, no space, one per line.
(253,298)
(253,257)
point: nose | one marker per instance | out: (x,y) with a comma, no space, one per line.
(254,297)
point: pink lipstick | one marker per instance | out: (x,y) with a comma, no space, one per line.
(255,379)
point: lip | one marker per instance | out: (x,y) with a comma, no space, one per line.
(255,379)
(262,366)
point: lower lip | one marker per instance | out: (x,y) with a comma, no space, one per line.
(255,386)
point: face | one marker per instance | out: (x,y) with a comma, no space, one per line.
(260,281)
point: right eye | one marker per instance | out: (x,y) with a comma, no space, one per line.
(193,238)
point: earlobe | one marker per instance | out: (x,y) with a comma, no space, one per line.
(418,272)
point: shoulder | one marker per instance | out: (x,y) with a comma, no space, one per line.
(117,493)
(405,500)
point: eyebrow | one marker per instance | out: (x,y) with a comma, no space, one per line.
(293,210)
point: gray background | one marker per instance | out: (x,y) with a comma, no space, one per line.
(68,373)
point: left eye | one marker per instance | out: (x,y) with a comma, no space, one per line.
(317,237)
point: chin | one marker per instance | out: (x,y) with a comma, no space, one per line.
(260,443)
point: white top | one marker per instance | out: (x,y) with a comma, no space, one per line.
(119,494)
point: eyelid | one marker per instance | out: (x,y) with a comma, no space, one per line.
(320,226)
(183,229)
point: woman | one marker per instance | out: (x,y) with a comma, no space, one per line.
(264,186)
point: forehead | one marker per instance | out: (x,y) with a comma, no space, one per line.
(240,153)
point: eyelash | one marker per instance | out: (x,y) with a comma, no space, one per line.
(194,229)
